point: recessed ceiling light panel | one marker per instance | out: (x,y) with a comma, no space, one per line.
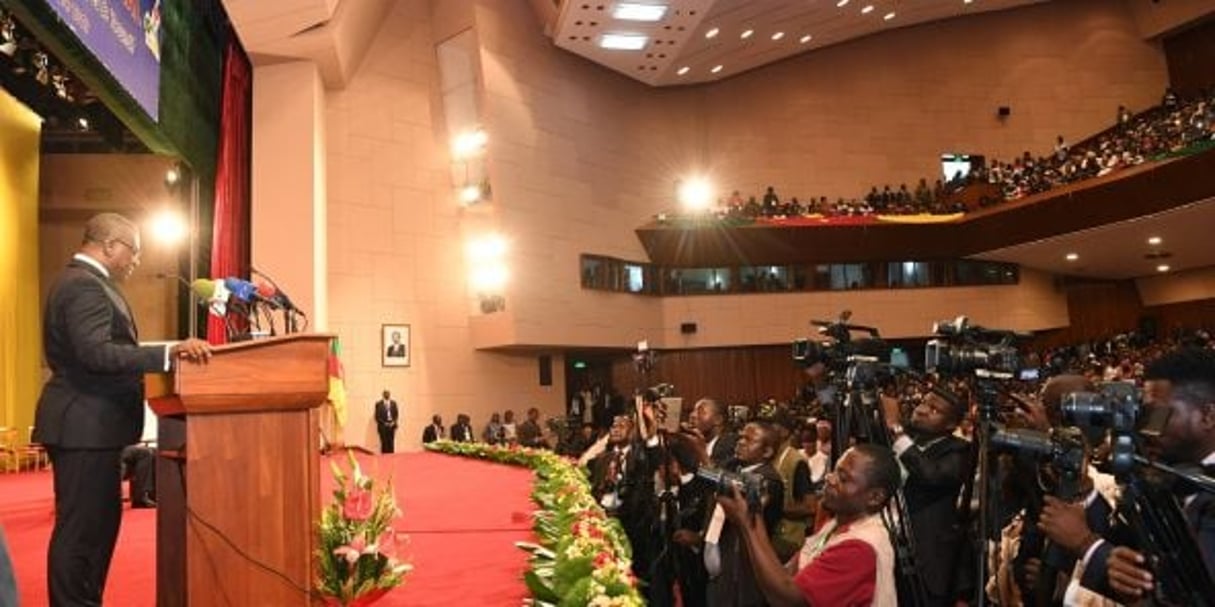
(805,39)
(1155,241)
(634,11)
(716,68)
(623,42)
(1071,256)
(1164,267)
(778,35)
(712,33)
(746,34)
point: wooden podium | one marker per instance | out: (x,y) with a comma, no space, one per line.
(238,473)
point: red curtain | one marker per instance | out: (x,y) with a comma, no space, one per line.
(231,231)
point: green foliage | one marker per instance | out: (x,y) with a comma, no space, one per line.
(582,557)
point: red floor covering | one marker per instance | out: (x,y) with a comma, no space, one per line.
(462,517)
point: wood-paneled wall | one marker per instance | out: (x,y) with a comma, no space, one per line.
(735,375)
(1190,55)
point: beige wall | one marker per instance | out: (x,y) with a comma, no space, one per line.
(881,110)
(1191,285)
(579,157)
(73,187)
(396,246)
(1033,304)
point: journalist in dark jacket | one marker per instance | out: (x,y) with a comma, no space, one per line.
(937,464)
(92,406)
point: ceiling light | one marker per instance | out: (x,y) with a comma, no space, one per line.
(711,33)
(868,9)
(716,68)
(967,1)
(889,16)
(778,35)
(1071,257)
(470,194)
(631,11)
(82,123)
(747,34)
(805,39)
(623,42)
(842,3)
(169,227)
(468,144)
(683,70)
(1164,267)
(1155,240)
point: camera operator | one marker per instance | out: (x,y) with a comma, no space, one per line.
(731,581)
(937,464)
(622,481)
(1065,524)
(1183,383)
(850,561)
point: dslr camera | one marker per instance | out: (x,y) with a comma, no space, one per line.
(751,486)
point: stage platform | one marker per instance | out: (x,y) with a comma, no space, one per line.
(462,518)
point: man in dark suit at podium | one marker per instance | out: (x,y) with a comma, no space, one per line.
(92,406)
(386,420)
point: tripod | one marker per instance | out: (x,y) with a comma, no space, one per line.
(860,416)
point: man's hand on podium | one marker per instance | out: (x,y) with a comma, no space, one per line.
(195,350)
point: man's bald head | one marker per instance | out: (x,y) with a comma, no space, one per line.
(105,227)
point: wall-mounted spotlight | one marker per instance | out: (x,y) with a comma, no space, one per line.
(469,144)
(695,194)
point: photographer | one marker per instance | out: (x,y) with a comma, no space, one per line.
(730,577)
(1066,524)
(936,464)
(1183,384)
(850,560)
(622,481)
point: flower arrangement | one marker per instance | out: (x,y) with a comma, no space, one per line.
(357,545)
(583,556)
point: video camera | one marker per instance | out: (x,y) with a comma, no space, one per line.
(1063,448)
(964,348)
(752,486)
(838,346)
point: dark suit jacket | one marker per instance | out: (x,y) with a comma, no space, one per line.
(432,433)
(736,584)
(462,433)
(94,399)
(723,450)
(934,478)
(529,433)
(1200,517)
(382,409)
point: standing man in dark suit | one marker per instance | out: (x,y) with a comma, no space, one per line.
(92,406)
(386,420)
(936,464)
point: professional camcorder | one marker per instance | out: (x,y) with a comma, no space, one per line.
(964,348)
(837,344)
(1062,448)
(751,486)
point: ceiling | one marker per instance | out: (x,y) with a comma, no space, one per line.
(1121,250)
(678,49)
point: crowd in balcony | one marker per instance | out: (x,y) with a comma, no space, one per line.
(1176,126)
(1170,128)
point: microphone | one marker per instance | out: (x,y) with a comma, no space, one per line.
(163,275)
(213,293)
(247,291)
(279,296)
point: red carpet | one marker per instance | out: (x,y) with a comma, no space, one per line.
(462,517)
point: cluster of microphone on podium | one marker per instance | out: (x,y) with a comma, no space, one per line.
(247,306)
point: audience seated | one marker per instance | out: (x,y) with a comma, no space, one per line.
(1175,127)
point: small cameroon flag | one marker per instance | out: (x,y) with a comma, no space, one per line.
(337,382)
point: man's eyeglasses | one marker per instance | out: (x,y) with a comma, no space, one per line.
(134,249)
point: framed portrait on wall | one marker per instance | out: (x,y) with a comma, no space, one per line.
(394,345)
